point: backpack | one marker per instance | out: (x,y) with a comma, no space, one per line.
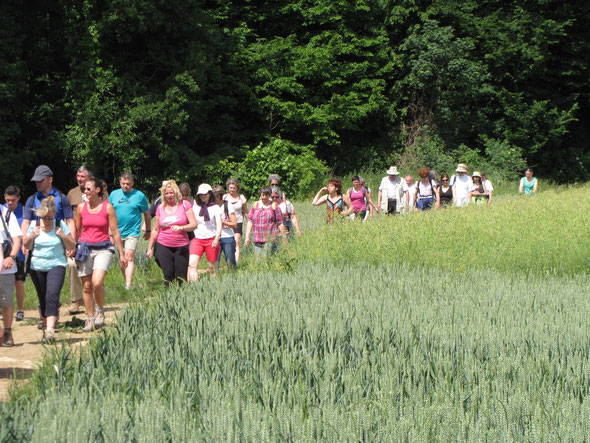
(58,205)
(432,186)
(226,209)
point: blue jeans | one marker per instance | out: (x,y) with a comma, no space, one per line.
(228,247)
(424,203)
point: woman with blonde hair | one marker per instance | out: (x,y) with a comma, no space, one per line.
(47,244)
(174,219)
(95,218)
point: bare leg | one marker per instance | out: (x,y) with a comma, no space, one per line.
(130,270)
(51,321)
(20,293)
(193,266)
(238,238)
(98,276)
(212,268)
(88,295)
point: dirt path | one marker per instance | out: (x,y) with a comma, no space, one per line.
(17,363)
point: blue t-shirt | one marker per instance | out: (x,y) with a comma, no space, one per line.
(48,251)
(18,213)
(64,208)
(129,207)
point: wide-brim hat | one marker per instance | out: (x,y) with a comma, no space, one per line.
(204,188)
(392,171)
(476,174)
(41,172)
(462,167)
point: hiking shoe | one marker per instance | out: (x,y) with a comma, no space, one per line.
(41,324)
(49,336)
(89,325)
(75,307)
(7,340)
(99,321)
(20,315)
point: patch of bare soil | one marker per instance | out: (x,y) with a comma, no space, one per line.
(17,363)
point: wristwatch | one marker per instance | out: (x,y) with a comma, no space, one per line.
(13,257)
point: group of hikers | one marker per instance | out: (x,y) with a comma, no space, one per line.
(81,231)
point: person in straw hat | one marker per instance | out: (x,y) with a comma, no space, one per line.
(391,191)
(462,186)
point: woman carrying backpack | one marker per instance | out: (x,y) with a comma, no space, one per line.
(240,205)
(445,190)
(227,241)
(479,189)
(335,201)
(359,197)
(265,221)
(427,192)
(47,243)
(287,211)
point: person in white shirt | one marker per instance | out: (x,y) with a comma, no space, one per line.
(409,193)
(11,238)
(488,186)
(227,241)
(207,234)
(462,186)
(391,191)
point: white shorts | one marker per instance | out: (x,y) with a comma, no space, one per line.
(97,259)
(130,243)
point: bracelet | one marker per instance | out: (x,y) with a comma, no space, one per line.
(148,231)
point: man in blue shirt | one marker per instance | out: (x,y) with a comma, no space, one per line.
(129,204)
(43,179)
(15,209)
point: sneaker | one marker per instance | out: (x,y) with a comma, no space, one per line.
(20,315)
(7,340)
(99,322)
(89,325)
(41,324)
(49,336)
(75,307)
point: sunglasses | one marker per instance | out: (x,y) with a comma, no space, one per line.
(47,218)
(445,180)
(274,196)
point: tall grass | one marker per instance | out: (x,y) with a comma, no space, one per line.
(547,233)
(360,352)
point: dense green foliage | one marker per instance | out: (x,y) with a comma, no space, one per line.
(185,88)
(467,335)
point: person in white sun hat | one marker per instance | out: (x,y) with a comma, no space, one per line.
(391,191)
(462,186)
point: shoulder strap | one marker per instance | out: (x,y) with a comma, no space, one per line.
(453,180)
(6,230)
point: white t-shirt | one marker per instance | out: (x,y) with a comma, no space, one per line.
(206,229)
(488,185)
(14,231)
(225,231)
(463,186)
(411,190)
(391,189)
(237,204)
(287,209)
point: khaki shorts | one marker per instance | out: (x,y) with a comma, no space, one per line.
(130,243)
(6,290)
(97,259)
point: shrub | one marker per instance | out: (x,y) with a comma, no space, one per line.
(298,166)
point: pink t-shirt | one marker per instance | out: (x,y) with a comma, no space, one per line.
(95,227)
(166,236)
(358,200)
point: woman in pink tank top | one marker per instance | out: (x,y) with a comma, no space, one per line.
(94,219)
(174,218)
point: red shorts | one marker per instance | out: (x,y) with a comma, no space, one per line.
(199,246)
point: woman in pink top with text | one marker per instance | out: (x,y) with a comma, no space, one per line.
(174,218)
(94,254)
